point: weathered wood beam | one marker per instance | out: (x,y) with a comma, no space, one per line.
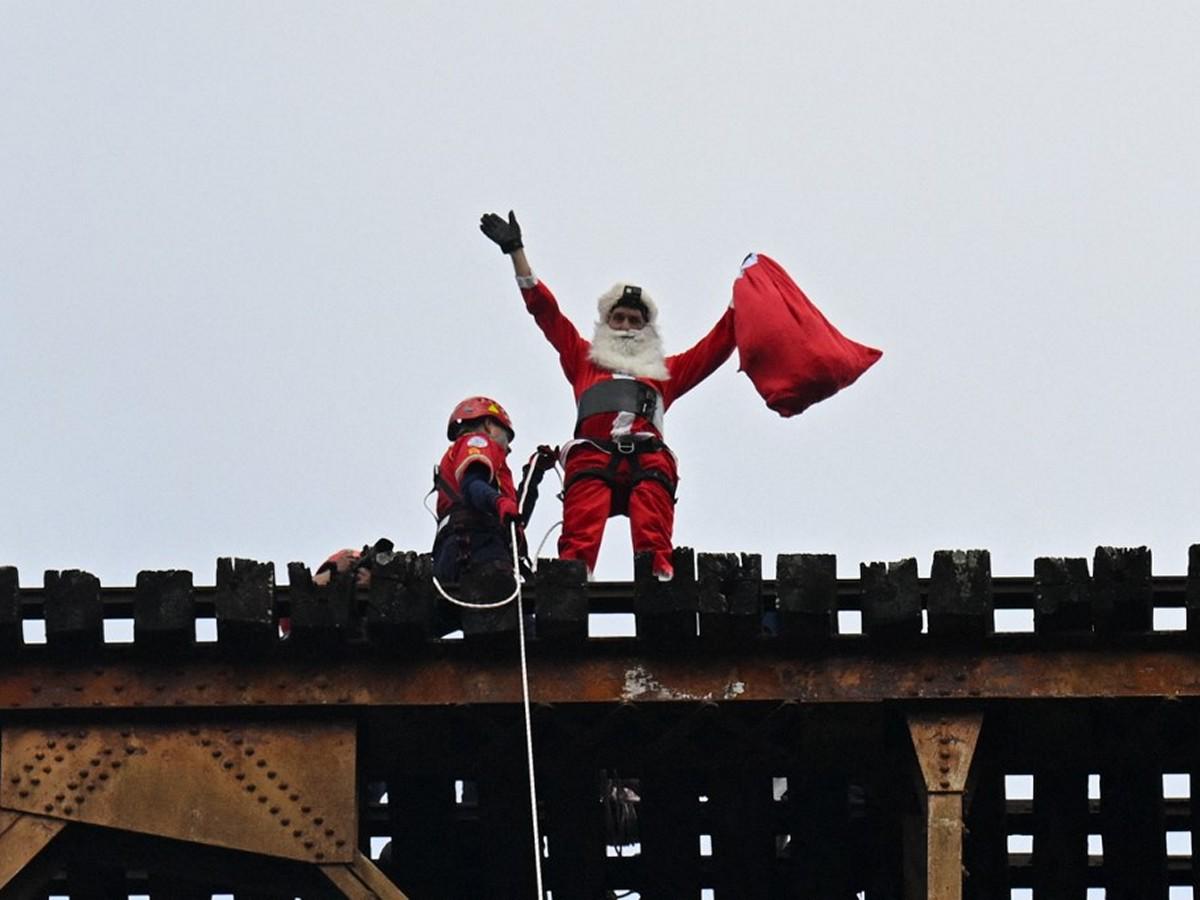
(891,600)
(10,610)
(806,584)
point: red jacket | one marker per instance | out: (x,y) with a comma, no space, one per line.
(687,369)
(470,449)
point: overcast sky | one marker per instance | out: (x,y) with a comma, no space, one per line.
(242,283)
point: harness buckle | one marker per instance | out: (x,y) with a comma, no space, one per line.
(625,444)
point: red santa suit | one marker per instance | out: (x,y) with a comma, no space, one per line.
(618,463)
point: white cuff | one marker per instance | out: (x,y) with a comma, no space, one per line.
(526,281)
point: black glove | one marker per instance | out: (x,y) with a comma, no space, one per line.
(506,234)
(547,456)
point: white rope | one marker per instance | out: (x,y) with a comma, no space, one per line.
(516,595)
(465,605)
(533,805)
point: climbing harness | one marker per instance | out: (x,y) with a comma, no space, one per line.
(624,451)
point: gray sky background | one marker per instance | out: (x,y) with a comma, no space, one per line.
(242,285)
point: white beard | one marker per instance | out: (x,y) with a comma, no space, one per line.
(637,353)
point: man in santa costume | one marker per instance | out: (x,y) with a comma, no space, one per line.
(617,463)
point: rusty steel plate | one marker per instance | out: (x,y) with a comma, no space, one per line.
(284,790)
(615,676)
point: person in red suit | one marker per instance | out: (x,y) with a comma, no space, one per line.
(618,462)
(476,500)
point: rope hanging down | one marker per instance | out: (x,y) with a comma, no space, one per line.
(516,595)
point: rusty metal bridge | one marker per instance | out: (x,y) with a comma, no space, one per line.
(802,737)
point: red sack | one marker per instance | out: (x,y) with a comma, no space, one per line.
(790,351)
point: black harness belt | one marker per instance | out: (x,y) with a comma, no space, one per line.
(621,451)
(621,395)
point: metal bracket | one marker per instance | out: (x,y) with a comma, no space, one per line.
(944,745)
(22,838)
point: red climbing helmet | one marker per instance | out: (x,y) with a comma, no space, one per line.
(478,408)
